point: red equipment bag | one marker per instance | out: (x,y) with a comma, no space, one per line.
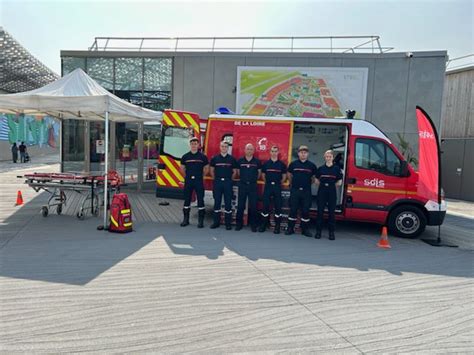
(120,214)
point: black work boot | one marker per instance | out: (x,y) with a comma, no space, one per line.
(185,221)
(277,225)
(305,229)
(331,235)
(228,221)
(264,224)
(318,234)
(217,220)
(291,228)
(238,226)
(201,214)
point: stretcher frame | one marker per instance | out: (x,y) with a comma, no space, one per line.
(56,184)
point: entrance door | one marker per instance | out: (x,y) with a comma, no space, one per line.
(126,151)
(452,166)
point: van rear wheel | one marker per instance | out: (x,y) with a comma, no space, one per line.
(407,221)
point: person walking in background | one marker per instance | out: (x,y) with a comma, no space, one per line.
(329,176)
(14,152)
(22,149)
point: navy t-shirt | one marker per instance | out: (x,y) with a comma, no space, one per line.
(329,174)
(274,171)
(302,173)
(248,169)
(223,166)
(194,164)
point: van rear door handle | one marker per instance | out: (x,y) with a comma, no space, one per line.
(351,180)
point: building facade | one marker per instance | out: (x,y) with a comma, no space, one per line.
(201,81)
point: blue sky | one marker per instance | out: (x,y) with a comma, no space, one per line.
(46,27)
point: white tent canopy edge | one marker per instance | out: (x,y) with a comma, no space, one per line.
(78,96)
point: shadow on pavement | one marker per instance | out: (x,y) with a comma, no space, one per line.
(63,249)
(355,248)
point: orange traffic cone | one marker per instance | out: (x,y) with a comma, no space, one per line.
(383,242)
(19,199)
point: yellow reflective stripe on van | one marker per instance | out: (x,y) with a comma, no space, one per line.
(170,179)
(192,121)
(160,181)
(386,191)
(178,119)
(170,166)
(167,120)
(127,224)
(125,211)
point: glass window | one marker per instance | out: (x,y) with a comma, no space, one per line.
(157,83)
(102,71)
(176,141)
(73,145)
(134,97)
(158,74)
(71,63)
(376,155)
(128,74)
(157,100)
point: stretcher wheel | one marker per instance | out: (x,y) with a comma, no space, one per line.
(59,209)
(44,211)
(80,215)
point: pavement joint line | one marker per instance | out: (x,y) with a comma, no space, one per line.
(302,304)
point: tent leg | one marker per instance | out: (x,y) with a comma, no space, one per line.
(106,168)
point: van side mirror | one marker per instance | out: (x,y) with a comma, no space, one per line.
(404,171)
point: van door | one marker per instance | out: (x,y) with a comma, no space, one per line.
(262,135)
(373,180)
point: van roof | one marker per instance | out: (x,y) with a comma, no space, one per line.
(359,127)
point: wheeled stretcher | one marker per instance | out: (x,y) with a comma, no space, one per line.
(89,185)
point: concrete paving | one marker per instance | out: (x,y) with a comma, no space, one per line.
(66,287)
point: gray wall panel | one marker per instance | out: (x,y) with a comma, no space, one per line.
(199,84)
(325,62)
(225,81)
(261,61)
(390,92)
(425,89)
(293,62)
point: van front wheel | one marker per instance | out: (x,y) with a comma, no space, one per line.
(407,221)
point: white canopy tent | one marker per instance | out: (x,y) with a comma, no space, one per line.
(78,96)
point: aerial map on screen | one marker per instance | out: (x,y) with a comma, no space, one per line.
(302,92)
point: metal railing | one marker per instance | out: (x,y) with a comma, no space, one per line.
(329,44)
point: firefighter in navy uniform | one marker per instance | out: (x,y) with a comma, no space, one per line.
(329,177)
(194,165)
(274,174)
(249,169)
(301,174)
(223,169)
